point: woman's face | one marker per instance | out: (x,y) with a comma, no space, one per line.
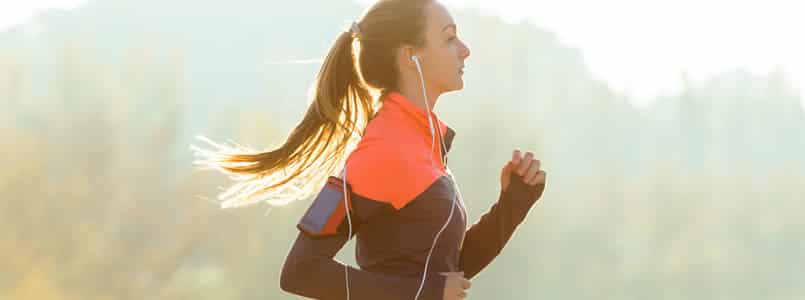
(444,53)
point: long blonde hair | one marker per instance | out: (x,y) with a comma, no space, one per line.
(358,71)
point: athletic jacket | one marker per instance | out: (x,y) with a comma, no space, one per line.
(400,200)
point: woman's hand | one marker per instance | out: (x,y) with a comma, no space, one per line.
(455,286)
(527,166)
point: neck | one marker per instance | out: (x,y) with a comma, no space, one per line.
(412,89)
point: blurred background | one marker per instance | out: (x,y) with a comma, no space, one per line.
(673,134)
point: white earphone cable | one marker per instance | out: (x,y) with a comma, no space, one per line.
(433,137)
(349,221)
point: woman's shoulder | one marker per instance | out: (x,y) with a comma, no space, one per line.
(386,139)
(383,169)
(379,156)
(385,125)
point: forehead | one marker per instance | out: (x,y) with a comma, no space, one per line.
(437,16)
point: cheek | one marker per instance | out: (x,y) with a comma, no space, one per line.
(445,71)
(437,66)
(442,68)
(447,62)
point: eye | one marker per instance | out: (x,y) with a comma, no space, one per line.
(452,38)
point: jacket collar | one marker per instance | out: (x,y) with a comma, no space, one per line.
(402,104)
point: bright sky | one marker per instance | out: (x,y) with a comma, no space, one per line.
(14,12)
(639,46)
(643,46)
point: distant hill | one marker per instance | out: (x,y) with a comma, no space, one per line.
(213,57)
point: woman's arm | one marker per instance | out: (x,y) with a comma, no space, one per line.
(486,238)
(310,270)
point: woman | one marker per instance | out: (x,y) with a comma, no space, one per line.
(406,211)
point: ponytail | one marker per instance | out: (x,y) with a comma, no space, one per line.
(341,106)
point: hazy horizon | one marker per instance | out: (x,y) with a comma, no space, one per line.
(697,197)
(659,58)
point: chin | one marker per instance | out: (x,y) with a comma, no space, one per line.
(456,87)
(453,86)
(459,85)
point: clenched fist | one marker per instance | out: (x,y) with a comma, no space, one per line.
(527,167)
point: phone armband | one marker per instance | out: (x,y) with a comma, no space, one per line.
(327,212)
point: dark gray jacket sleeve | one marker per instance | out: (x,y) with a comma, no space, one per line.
(309,269)
(486,238)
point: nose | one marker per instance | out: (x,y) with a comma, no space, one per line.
(464,51)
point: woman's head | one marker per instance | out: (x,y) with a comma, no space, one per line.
(393,31)
(390,32)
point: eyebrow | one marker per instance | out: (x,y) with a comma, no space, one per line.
(448,26)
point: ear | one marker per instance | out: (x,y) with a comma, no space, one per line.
(404,57)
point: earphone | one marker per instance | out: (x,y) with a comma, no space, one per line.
(415,59)
(425,96)
(433,137)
